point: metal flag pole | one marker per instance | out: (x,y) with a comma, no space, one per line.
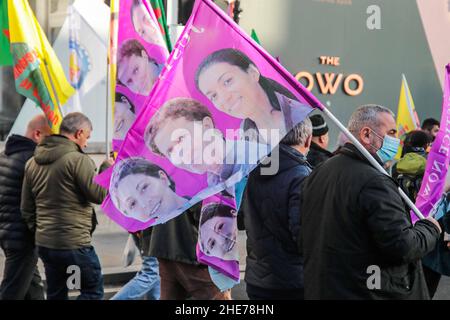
(371,159)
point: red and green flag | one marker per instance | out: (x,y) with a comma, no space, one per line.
(158,8)
(38,74)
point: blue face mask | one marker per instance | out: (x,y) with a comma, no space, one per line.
(221,281)
(389,148)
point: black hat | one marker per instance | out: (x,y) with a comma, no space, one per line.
(319,125)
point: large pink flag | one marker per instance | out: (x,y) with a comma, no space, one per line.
(220,105)
(438,160)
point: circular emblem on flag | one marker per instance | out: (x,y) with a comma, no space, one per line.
(79,64)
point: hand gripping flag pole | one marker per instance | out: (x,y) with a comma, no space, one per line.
(371,159)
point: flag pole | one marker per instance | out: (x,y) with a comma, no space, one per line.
(107,109)
(371,159)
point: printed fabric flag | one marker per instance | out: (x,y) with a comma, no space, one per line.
(140,57)
(160,14)
(5,52)
(433,181)
(407,119)
(221,104)
(37,71)
(255,36)
(74,59)
(86,31)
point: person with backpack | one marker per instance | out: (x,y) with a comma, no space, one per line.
(409,170)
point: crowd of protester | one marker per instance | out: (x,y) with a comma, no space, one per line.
(314,229)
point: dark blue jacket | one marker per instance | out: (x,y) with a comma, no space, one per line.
(13,230)
(272,221)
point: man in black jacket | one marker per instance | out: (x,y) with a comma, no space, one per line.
(21,278)
(318,152)
(274,268)
(357,239)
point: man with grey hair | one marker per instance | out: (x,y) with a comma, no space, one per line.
(57,193)
(356,237)
(274,268)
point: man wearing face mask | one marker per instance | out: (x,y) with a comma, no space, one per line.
(358,241)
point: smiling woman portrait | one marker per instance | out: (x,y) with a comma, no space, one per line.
(218,231)
(142,190)
(234,85)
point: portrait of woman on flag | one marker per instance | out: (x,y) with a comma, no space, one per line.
(218,231)
(124,116)
(234,85)
(142,190)
(144,26)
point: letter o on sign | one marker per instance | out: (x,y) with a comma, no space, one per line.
(307,76)
(359,85)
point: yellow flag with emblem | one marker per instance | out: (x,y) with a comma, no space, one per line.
(407,119)
(38,74)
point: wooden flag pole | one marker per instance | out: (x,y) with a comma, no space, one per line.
(371,159)
(53,86)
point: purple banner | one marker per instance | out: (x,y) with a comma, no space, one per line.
(141,55)
(438,160)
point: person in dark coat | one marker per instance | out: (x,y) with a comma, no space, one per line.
(21,279)
(318,152)
(182,277)
(274,267)
(356,236)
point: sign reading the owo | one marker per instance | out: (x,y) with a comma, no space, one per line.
(328,83)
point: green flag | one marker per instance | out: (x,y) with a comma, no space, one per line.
(5,52)
(255,37)
(158,8)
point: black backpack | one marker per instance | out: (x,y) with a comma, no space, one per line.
(410,184)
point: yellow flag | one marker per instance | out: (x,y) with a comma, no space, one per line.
(38,73)
(407,119)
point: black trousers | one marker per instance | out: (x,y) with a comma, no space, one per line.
(21,279)
(78,267)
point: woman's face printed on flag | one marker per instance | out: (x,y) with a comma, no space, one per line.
(231,89)
(144,191)
(218,234)
(123,117)
(143,24)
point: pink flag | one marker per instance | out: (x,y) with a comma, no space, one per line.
(221,104)
(438,160)
(141,54)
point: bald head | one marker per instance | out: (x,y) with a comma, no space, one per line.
(38,128)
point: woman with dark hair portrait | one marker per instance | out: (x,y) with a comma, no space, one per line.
(124,116)
(218,231)
(142,190)
(143,24)
(235,86)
